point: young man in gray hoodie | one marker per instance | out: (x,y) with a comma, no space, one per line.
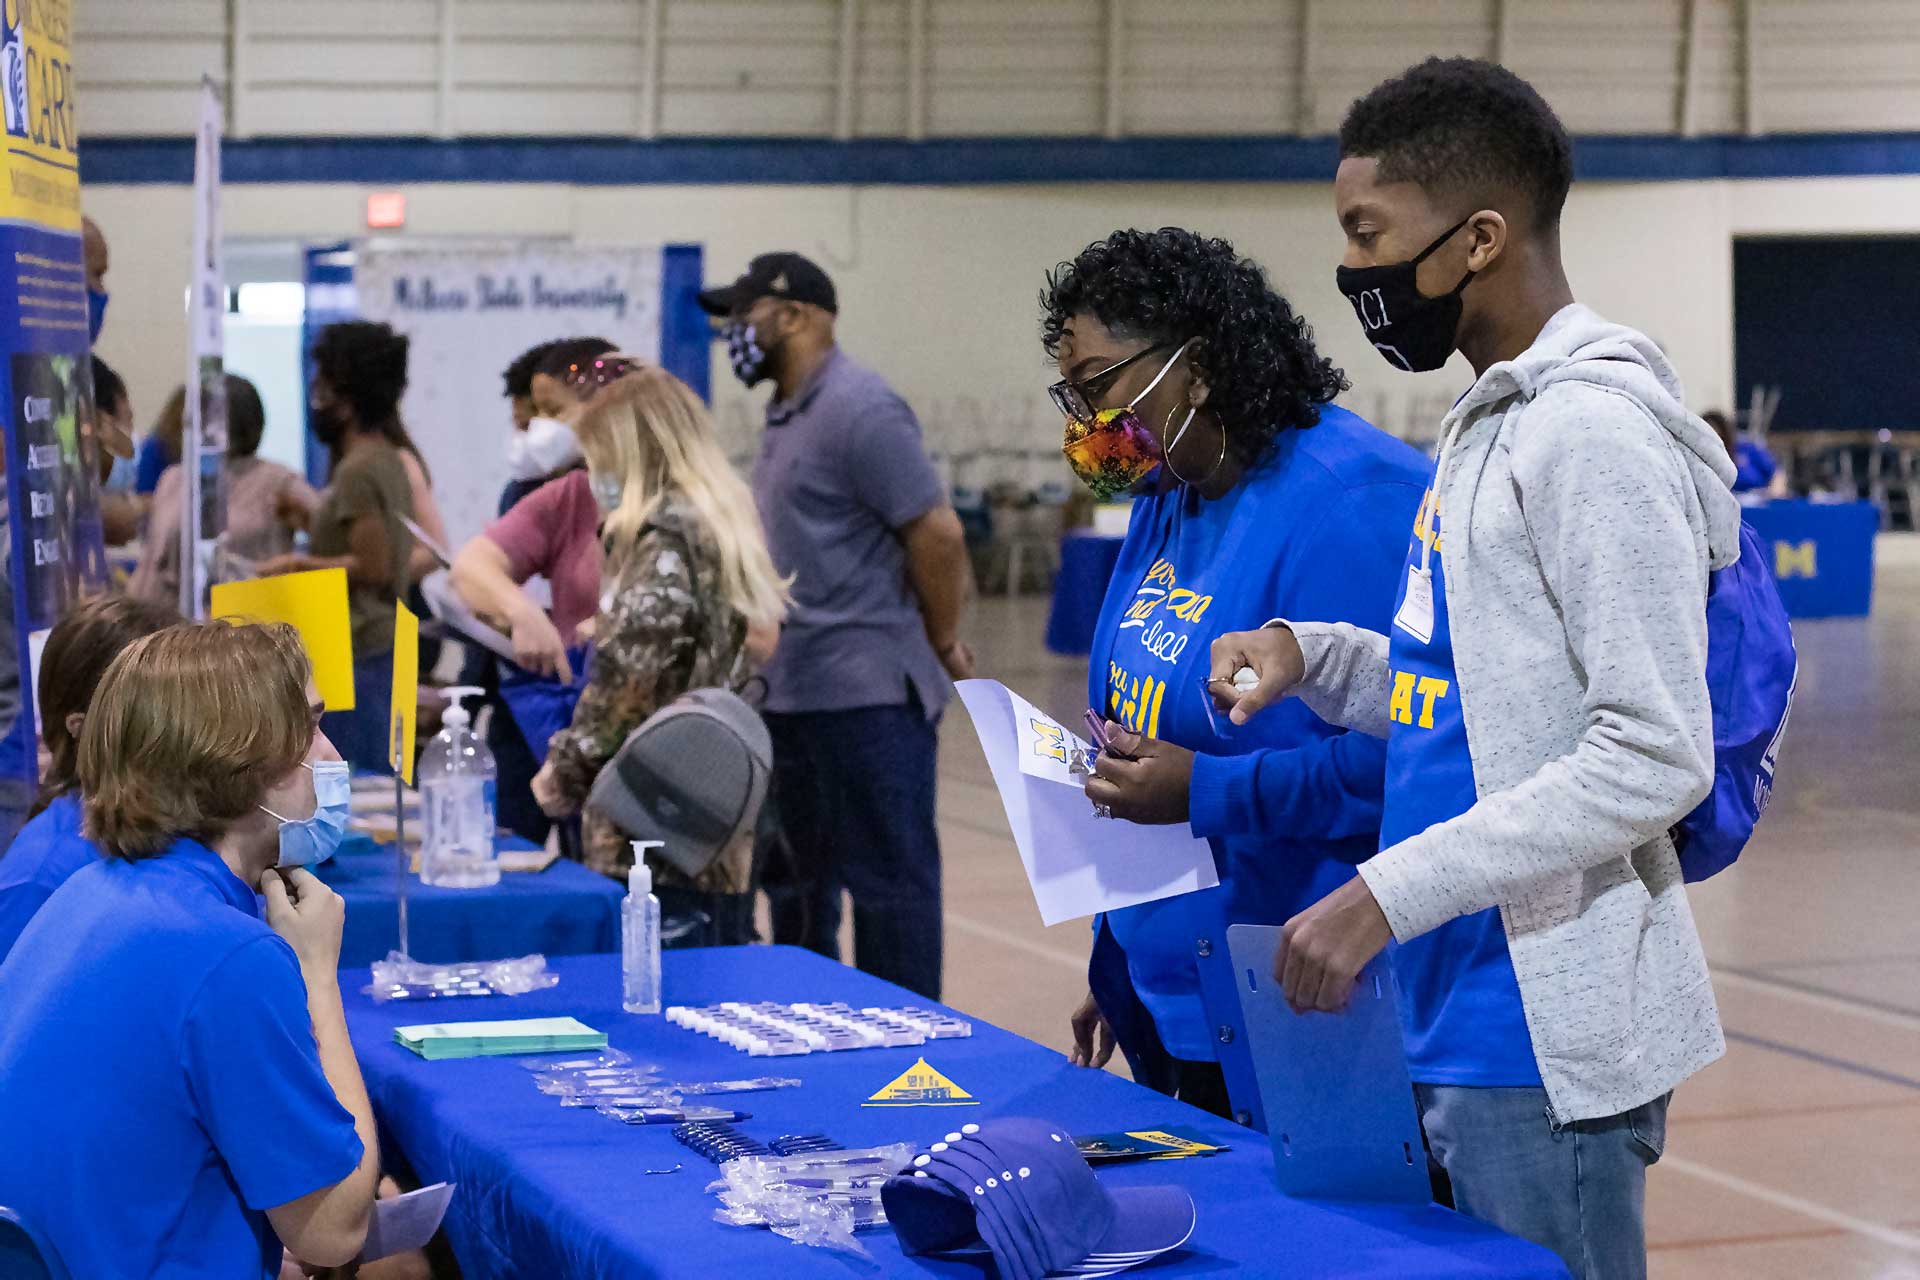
(1542,689)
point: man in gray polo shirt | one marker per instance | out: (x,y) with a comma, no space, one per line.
(855,512)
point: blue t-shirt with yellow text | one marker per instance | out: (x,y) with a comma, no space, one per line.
(1459,1001)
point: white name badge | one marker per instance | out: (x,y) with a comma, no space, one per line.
(1416,611)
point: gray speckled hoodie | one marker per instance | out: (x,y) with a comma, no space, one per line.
(1583,508)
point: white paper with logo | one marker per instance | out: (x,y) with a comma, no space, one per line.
(1076,863)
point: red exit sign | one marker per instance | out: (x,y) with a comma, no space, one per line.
(386,209)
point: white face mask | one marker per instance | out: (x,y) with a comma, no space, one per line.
(547,445)
(606,492)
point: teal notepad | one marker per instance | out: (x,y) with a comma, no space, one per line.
(486,1039)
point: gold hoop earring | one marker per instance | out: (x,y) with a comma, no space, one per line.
(1217,462)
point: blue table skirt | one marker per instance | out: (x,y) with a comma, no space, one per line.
(564,910)
(1086,565)
(1822,554)
(557,1193)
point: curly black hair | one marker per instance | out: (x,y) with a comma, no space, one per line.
(1263,372)
(518,376)
(366,365)
(1460,125)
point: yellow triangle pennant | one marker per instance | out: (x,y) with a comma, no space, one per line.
(921,1086)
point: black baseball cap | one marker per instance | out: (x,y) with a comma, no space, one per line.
(773,275)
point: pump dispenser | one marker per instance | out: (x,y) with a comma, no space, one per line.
(457,779)
(640,936)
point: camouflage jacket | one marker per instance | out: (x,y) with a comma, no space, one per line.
(662,630)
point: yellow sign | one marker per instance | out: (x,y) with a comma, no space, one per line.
(314,604)
(36,91)
(406,691)
(921,1086)
(1177,1146)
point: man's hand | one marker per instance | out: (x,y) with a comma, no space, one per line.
(309,918)
(537,646)
(1151,788)
(1092,1036)
(546,793)
(1271,653)
(957,658)
(1323,949)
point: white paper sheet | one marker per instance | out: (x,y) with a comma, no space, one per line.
(448,607)
(400,1223)
(1076,863)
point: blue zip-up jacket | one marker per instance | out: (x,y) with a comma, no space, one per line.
(1288,802)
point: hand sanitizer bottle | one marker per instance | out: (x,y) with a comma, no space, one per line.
(457,777)
(640,936)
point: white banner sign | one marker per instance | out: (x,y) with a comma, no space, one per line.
(469,313)
(205,438)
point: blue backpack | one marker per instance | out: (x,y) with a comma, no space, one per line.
(1751,670)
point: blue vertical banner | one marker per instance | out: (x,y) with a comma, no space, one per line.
(54,463)
(330,297)
(686,334)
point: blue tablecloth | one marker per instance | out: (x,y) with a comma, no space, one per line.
(562,911)
(554,1192)
(1086,565)
(1822,554)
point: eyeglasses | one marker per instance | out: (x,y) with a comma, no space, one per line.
(588,376)
(1074,399)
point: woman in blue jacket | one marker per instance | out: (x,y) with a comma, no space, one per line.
(1187,381)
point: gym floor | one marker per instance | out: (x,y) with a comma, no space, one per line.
(1785,1158)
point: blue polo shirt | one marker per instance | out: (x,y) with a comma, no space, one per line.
(48,850)
(159,1083)
(1460,1006)
(841,469)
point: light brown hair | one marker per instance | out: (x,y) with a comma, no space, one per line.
(78,651)
(189,729)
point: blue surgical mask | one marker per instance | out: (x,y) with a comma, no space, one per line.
(308,842)
(96,312)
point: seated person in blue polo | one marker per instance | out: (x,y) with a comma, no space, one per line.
(50,847)
(177,1091)
(1190,383)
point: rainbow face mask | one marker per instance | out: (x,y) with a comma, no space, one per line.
(1111,450)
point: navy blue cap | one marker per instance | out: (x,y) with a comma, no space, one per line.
(1020,1188)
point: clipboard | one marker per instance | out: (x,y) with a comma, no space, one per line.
(427,540)
(1339,1105)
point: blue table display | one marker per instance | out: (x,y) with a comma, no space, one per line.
(566,1193)
(563,910)
(1822,554)
(1086,565)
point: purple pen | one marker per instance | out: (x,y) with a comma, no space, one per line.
(1097,730)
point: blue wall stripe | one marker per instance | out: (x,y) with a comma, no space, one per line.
(945,161)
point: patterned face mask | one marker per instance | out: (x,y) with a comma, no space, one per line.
(1112,451)
(745,354)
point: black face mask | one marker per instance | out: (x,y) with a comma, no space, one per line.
(1414,332)
(329,424)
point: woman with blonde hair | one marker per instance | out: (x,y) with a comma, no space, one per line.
(686,580)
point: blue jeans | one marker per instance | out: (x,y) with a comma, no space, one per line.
(1579,1189)
(854,791)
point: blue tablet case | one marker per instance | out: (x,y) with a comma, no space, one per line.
(1339,1106)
